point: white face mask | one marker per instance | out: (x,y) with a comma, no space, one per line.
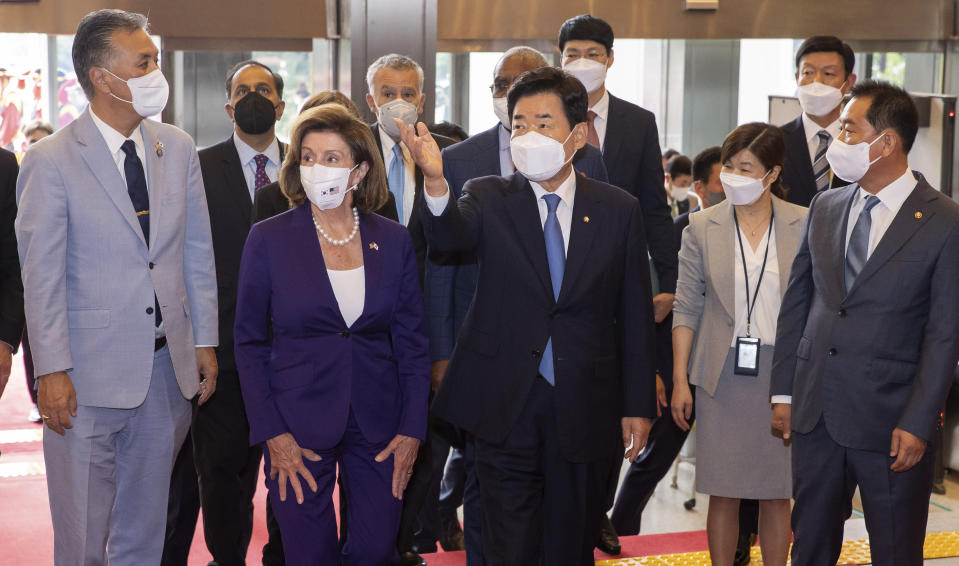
(326,187)
(740,189)
(591,73)
(678,193)
(399,108)
(850,162)
(502,112)
(818,99)
(149,93)
(538,157)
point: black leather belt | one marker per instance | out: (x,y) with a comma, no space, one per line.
(159,343)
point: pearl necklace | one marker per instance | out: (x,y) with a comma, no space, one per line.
(344,241)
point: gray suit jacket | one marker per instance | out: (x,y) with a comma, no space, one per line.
(883,355)
(705,295)
(89,276)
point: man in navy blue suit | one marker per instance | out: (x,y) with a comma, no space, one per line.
(629,140)
(450,288)
(824,66)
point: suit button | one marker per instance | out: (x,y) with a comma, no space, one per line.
(149,310)
(536,354)
(151,265)
(831,352)
(842,313)
(345,334)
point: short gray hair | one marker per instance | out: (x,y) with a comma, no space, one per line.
(525,53)
(92,44)
(396,62)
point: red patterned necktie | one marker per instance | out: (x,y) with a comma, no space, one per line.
(592,137)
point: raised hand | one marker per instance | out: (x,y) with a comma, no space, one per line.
(425,152)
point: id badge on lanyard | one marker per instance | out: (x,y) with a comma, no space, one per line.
(747,347)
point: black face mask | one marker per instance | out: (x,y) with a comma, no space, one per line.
(254,114)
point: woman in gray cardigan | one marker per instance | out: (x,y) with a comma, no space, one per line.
(733,269)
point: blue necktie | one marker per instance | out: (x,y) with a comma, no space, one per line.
(556,256)
(137,189)
(396,178)
(857,252)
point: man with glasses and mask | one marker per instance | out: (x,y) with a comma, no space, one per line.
(226,466)
(449,292)
(629,140)
(824,75)
(868,337)
(395,84)
(120,295)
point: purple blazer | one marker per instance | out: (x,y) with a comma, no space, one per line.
(302,370)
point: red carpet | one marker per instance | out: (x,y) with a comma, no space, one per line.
(26,534)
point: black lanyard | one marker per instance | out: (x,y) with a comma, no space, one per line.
(751,304)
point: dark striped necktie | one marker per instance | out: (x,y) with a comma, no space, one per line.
(820,165)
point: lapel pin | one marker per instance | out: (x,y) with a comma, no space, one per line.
(159,148)
(918,215)
(586,219)
(374,246)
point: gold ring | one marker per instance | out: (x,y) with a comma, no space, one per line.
(44,416)
(409,473)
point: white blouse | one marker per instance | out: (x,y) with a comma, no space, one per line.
(766,311)
(349,288)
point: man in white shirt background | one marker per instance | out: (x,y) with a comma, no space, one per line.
(824,66)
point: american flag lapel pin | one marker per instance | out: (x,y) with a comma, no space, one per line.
(159,148)
(374,246)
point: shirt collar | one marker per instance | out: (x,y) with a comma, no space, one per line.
(387,141)
(812,129)
(247,153)
(114,138)
(601,108)
(504,137)
(895,193)
(566,191)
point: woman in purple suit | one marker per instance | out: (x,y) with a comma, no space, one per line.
(331,346)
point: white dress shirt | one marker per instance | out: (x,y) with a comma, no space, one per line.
(601,108)
(564,211)
(349,288)
(247,153)
(506,167)
(812,130)
(766,310)
(409,186)
(891,198)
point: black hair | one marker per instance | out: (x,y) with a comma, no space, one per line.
(766,142)
(669,153)
(679,165)
(277,79)
(827,44)
(703,163)
(889,107)
(450,130)
(93,42)
(550,79)
(586,27)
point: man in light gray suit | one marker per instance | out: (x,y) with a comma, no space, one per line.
(120,296)
(868,338)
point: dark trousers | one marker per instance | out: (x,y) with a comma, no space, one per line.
(416,493)
(309,529)
(227,468)
(218,469)
(538,507)
(895,504)
(28,368)
(182,509)
(460,486)
(430,523)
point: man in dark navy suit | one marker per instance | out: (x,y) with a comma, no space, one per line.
(11,287)
(554,365)
(824,66)
(868,338)
(628,137)
(449,292)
